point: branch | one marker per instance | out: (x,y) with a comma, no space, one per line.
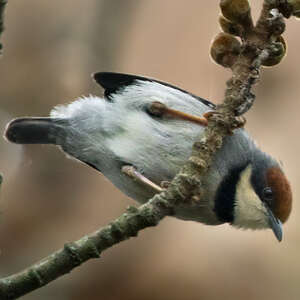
(2,7)
(261,45)
(90,246)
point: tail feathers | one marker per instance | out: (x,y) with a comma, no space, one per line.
(33,131)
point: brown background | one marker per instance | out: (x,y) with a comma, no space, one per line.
(51,48)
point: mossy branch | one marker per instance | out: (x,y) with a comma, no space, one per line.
(260,44)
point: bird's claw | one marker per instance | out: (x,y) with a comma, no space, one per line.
(240,122)
(165,184)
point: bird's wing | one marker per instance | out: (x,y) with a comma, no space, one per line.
(113,82)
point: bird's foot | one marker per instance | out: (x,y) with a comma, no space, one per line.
(165,184)
(240,122)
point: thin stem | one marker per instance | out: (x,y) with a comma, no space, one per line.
(2,9)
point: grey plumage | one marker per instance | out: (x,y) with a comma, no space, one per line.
(108,133)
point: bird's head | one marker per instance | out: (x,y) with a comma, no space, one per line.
(260,196)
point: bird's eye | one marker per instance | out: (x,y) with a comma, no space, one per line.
(268,193)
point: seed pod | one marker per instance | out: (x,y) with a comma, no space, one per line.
(225,49)
(276,57)
(229,27)
(295,7)
(236,11)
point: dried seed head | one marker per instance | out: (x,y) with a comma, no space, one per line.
(225,49)
(276,22)
(295,7)
(237,11)
(229,27)
(279,53)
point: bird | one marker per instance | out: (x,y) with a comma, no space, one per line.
(141,132)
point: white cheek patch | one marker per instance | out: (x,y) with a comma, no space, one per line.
(249,211)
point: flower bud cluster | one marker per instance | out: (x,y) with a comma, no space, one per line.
(235,18)
(237,25)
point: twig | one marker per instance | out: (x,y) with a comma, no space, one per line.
(90,246)
(260,45)
(2,8)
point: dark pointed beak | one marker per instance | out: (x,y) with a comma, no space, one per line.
(275,224)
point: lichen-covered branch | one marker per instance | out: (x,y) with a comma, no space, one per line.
(90,246)
(259,44)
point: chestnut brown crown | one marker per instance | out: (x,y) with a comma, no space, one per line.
(282,193)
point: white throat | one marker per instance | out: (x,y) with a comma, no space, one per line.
(249,211)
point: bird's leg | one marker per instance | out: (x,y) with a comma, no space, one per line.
(159,109)
(131,172)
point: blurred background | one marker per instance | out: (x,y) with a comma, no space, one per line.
(50,50)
